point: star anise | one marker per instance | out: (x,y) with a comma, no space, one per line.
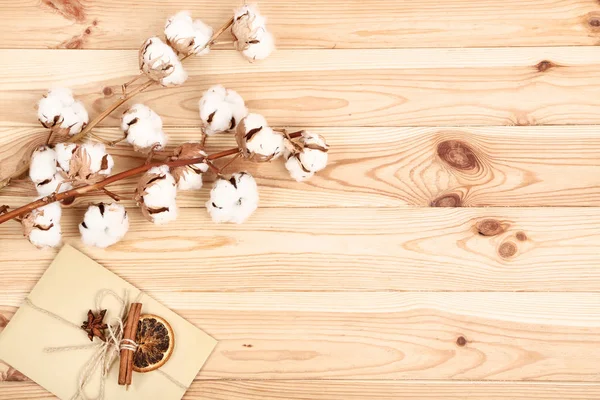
(94,325)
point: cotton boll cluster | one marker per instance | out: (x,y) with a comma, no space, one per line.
(310,156)
(42,226)
(187,36)
(143,128)
(104,224)
(160,63)
(251,36)
(85,163)
(156,193)
(44,172)
(189,177)
(234,199)
(59,111)
(221,110)
(257,140)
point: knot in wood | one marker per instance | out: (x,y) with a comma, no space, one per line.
(447,200)
(107,91)
(507,250)
(489,227)
(521,236)
(458,155)
(545,65)
(461,341)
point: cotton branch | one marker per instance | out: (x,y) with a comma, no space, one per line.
(93,123)
(99,186)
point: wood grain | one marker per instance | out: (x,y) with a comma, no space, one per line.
(311,23)
(386,167)
(459,336)
(278,250)
(356,390)
(388,275)
(433,87)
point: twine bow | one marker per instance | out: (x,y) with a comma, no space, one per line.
(106,352)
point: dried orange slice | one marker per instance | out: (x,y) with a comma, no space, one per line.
(155,340)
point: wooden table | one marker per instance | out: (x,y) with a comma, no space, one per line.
(369,281)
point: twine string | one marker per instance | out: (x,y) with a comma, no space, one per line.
(106,352)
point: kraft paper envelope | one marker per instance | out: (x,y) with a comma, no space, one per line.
(68,289)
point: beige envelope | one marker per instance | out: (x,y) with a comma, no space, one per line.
(68,288)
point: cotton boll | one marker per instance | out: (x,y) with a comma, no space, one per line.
(247,22)
(314,155)
(62,95)
(100,161)
(50,112)
(162,191)
(160,63)
(189,177)
(234,199)
(202,36)
(42,226)
(258,141)
(50,107)
(64,153)
(166,214)
(187,36)
(296,170)
(266,143)
(251,35)
(43,164)
(143,128)
(51,185)
(260,49)
(178,77)
(75,118)
(307,157)
(104,224)
(59,110)
(156,193)
(237,106)
(221,110)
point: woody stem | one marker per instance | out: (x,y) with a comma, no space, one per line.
(112,195)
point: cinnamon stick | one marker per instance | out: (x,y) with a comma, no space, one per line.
(129,332)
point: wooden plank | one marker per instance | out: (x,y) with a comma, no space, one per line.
(458,336)
(387,167)
(336,250)
(312,23)
(441,87)
(355,390)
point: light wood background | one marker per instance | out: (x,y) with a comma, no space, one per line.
(398,272)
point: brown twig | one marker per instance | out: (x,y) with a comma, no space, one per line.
(290,136)
(112,195)
(218,33)
(213,167)
(127,84)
